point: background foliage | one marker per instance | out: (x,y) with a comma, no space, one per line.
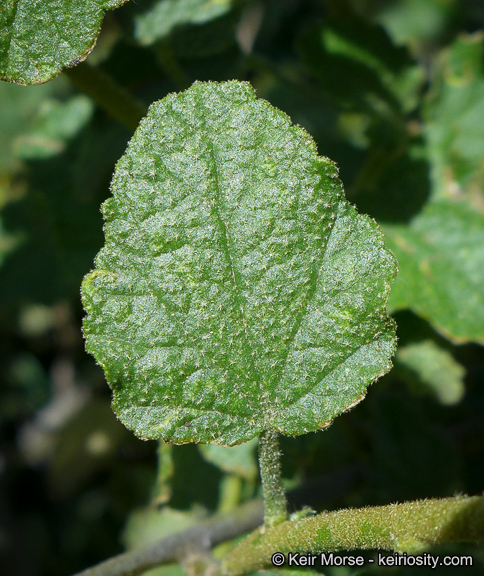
(393,91)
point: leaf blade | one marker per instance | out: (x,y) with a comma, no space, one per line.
(41,38)
(233,211)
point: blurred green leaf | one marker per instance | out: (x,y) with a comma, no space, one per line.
(393,186)
(179,31)
(240,460)
(202,488)
(434,368)
(209,40)
(358,65)
(57,220)
(441,259)
(19,111)
(56,124)
(41,37)
(230,296)
(454,125)
(374,85)
(162,16)
(417,20)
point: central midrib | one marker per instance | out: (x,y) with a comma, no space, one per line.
(226,244)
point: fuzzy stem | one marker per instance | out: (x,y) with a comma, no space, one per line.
(164,473)
(275,503)
(410,527)
(108,95)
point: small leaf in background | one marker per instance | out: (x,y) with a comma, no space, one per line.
(434,369)
(441,259)
(161,17)
(215,37)
(358,65)
(393,187)
(454,126)
(56,220)
(184,34)
(411,21)
(239,460)
(41,37)
(147,525)
(374,85)
(57,123)
(19,112)
(231,295)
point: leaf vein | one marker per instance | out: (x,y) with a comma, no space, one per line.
(314,279)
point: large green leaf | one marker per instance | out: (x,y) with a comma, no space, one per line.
(38,38)
(441,258)
(237,290)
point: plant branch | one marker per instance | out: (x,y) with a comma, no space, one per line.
(170,549)
(275,502)
(409,527)
(108,94)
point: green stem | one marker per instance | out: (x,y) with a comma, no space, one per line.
(164,473)
(410,527)
(275,503)
(108,95)
(230,493)
(230,490)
